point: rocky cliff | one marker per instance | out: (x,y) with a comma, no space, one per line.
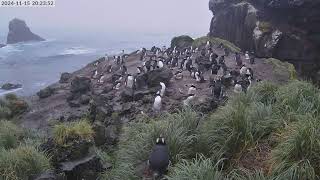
(285,29)
(20,32)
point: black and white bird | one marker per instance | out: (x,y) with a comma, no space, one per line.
(163,89)
(237,88)
(157,105)
(159,158)
(130,81)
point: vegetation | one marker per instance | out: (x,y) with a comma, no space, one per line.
(282,69)
(216,41)
(20,159)
(11,106)
(181,41)
(80,130)
(285,118)
(265,27)
(22,163)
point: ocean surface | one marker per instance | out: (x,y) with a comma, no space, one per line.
(36,65)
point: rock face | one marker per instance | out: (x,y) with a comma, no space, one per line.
(287,30)
(20,32)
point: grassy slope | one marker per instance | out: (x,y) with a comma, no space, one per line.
(285,118)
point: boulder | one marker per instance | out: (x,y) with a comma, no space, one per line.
(159,75)
(127,95)
(181,42)
(80,85)
(47,92)
(20,32)
(10,86)
(105,135)
(65,77)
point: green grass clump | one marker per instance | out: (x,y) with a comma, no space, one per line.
(214,40)
(265,92)
(199,168)
(62,133)
(22,163)
(283,70)
(138,139)
(297,98)
(298,155)
(11,106)
(236,127)
(10,135)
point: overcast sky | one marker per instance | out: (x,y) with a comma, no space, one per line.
(160,16)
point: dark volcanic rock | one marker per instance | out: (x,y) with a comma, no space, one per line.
(9,86)
(159,75)
(80,85)
(283,29)
(20,32)
(2,45)
(44,93)
(65,77)
(181,42)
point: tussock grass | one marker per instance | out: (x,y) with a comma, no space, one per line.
(138,139)
(22,163)
(199,168)
(203,40)
(10,135)
(237,126)
(11,106)
(298,155)
(73,131)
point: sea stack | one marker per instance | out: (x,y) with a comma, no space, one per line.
(20,32)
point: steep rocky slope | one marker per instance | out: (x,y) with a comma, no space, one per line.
(287,30)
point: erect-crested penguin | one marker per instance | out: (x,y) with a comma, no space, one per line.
(189,99)
(157,102)
(130,81)
(247,57)
(192,89)
(95,75)
(159,158)
(237,88)
(243,70)
(160,64)
(163,89)
(101,79)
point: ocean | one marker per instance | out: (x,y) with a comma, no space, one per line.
(36,65)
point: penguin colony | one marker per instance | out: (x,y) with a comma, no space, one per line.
(196,62)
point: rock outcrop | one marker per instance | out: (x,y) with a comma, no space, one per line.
(181,41)
(10,86)
(2,45)
(20,32)
(287,30)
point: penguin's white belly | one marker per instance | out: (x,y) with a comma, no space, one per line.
(188,101)
(130,83)
(237,88)
(157,104)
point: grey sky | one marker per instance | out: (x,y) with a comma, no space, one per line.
(180,16)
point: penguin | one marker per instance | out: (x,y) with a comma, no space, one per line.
(189,64)
(178,75)
(117,83)
(160,64)
(182,63)
(157,103)
(197,75)
(95,75)
(106,57)
(130,81)
(208,45)
(237,88)
(192,89)
(96,64)
(249,73)
(101,80)
(163,89)
(243,70)
(188,101)
(217,89)
(159,158)
(247,57)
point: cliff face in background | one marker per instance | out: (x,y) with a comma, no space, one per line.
(284,29)
(20,32)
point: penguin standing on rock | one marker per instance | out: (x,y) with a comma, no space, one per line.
(159,158)
(163,89)
(157,103)
(160,64)
(243,70)
(130,81)
(192,89)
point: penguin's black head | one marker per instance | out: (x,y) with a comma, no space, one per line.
(193,86)
(160,141)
